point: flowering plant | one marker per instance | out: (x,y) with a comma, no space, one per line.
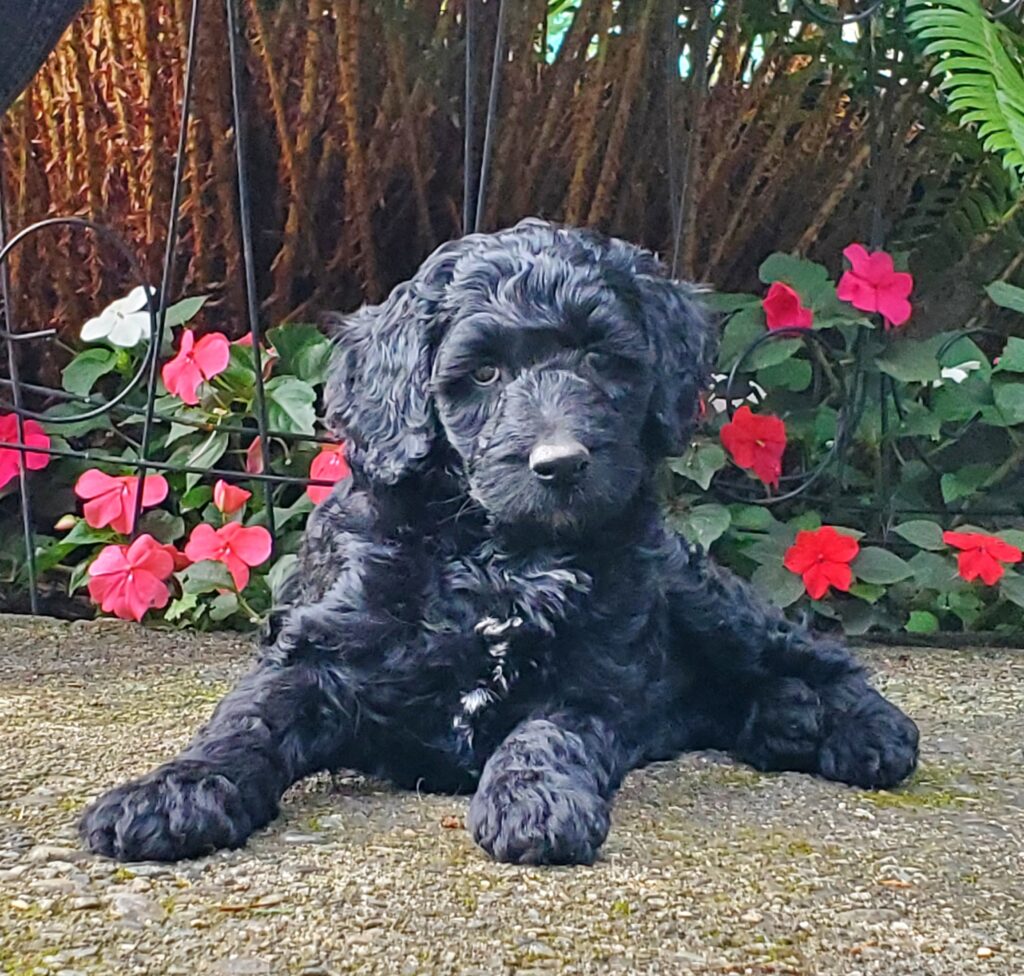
(201,553)
(845,464)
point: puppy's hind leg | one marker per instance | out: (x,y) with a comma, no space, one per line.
(801,700)
(278,724)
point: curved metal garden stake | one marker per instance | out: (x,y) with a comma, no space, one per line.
(170,255)
(469,122)
(686,168)
(473,212)
(234,15)
(28,535)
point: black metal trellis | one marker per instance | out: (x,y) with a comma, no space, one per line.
(684,167)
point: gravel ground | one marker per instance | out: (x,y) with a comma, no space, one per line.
(710,867)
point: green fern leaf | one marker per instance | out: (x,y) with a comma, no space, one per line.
(982,69)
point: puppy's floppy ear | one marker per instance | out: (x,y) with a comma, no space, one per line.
(378,392)
(681,336)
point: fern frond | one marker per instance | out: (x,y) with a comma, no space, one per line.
(982,64)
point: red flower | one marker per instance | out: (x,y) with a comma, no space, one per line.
(35,436)
(111,501)
(196,362)
(873,285)
(782,309)
(822,558)
(229,498)
(129,580)
(983,555)
(238,547)
(756,442)
(246,340)
(329,465)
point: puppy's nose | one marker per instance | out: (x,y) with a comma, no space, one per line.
(561,461)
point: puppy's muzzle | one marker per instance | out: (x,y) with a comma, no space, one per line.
(562,461)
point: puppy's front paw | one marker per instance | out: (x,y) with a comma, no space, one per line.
(529,817)
(178,811)
(784,728)
(873,745)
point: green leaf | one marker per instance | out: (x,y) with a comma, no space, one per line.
(83,534)
(162,526)
(1013,536)
(204,455)
(206,577)
(772,353)
(81,374)
(752,518)
(726,303)
(933,572)
(875,565)
(921,533)
(857,618)
(195,498)
(922,622)
(793,374)
(1011,360)
(699,463)
(912,361)
(1011,586)
(75,428)
(280,572)
(185,310)
(703,523)
(809,279)
(868,592)
(742,329)
(181,607)
(1006,295)
(223,606)
(1010,401)
(964,482)
(304,350)
(778,584)
(290,405)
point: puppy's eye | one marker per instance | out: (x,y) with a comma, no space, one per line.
(486,375)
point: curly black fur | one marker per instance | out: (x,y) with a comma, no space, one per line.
(462,621)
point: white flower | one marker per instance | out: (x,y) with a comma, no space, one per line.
(957,373)
(721,404)
(123,323)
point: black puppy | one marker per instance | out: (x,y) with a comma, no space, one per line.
(493,602)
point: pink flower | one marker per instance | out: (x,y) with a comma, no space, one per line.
(782,308)
(129,580)
(873,285)
(111,501)
(246,340)
(196,362)
(329,465)
(35,436)
(254,457)
(234,545)
(229,498)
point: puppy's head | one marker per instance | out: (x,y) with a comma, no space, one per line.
(559,365)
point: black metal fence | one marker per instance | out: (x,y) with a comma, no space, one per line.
(684,171)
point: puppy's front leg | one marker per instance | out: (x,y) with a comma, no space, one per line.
(545,794)
(278,724)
